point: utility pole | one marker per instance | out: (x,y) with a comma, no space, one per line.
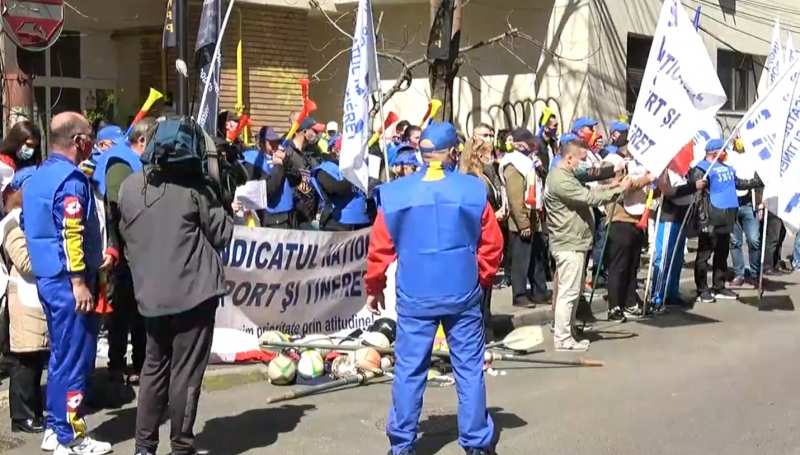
(182,32)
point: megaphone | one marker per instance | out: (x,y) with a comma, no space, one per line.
(390,119)
(154,96)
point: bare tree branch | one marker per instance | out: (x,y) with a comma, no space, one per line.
(403,81)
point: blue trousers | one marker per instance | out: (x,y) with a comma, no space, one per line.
(73,348)
(465,337)
(667,243)
(748,225)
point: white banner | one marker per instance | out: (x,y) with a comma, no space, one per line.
(789,189)
(362,81)
(680,89)
(296,282)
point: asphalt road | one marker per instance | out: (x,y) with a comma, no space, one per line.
(721,378)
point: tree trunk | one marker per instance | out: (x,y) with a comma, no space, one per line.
(442,73)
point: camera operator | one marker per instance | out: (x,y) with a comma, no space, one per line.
(174,221)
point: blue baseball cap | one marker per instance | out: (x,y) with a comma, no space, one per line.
(407,159)
(311,124)
(566,137)
(714,144)
(267,133)
(583,122)
(111,133)
(611,148)
(617,127)
(437,137)
(21,176)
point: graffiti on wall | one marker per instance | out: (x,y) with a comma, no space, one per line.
(513,114)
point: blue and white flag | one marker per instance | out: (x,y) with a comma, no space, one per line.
(762,127)
(776,57)
(790,54)
(362,81)
(680,90)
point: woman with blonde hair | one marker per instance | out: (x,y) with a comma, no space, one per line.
(25,319)
(476,159)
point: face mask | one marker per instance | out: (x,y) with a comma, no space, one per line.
(552,132)
(25,153)
(582,168)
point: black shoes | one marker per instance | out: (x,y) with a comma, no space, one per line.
(617,315)
(27,426)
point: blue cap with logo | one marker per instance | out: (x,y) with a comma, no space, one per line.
(111,133)
(438,136)
(407,159)
(714,144)
(582,122)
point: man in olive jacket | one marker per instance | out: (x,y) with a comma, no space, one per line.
(570,224)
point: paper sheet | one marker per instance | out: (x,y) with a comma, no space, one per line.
(374,167)
(253,195)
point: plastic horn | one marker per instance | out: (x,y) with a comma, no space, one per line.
(390,119)
(244,122)
(154,96)
(304,88)
(433,108)
(642,224)
(308,107)
(360,378)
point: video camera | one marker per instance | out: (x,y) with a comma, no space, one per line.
(179,146)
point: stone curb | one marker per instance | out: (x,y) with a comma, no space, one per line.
(541,315)
(214,380)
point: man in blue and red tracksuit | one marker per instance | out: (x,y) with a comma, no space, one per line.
(444,235)
(61,226)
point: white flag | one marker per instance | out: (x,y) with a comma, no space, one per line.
(775,58)
(762,127)
(680,89)
(791,54)
(362,81)
(708,128)
(789,169)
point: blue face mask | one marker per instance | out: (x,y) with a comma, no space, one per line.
(583,168)
(25,153)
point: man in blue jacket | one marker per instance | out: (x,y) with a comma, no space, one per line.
(344,207)
(112,168)
(440,277)
(716,215)
(62,230)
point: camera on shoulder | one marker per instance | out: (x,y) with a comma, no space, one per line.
(179,146)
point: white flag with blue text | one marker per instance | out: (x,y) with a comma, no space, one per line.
(680,89)
(790,54)
(789,169)
(776,56)
(362,81)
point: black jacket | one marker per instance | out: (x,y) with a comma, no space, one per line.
(708,219)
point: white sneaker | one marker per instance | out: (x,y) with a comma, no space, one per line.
(86,447)
(49,441)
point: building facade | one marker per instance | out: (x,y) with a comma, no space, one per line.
(577,57)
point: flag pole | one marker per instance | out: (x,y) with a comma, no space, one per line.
(380,101)
(216,56)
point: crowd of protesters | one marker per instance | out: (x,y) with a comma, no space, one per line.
(571,202)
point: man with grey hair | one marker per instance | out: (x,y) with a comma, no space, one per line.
(64,240)
(570,225)
(113,167)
